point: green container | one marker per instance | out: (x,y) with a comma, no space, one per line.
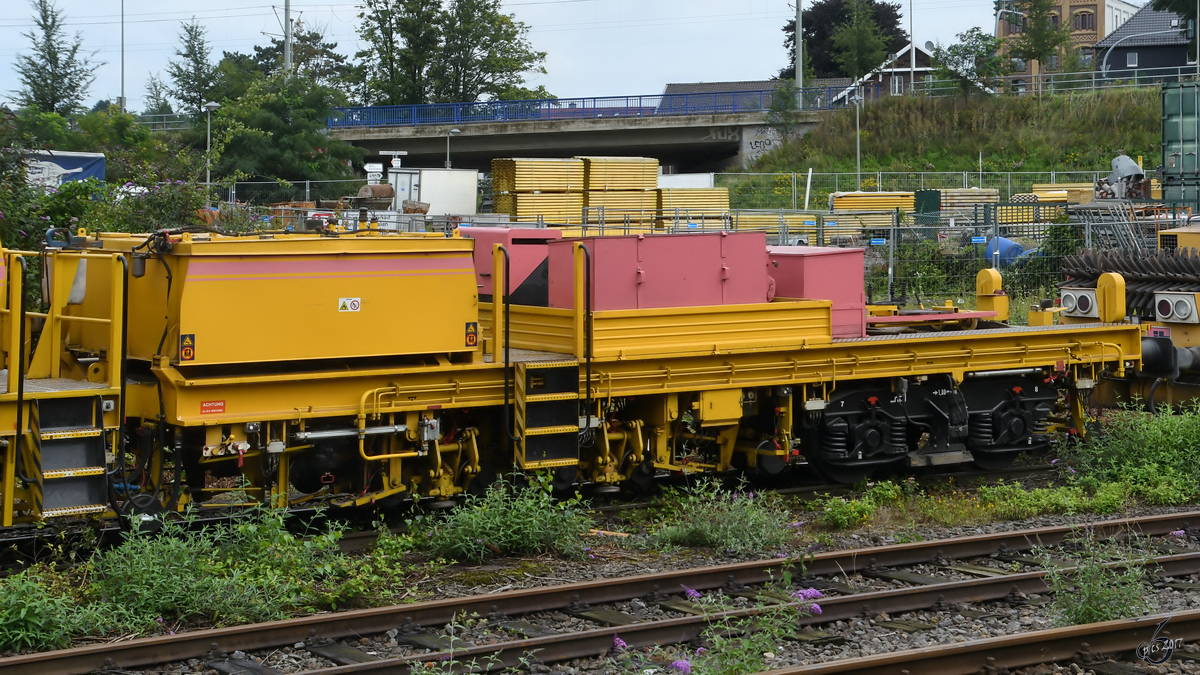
(1180,159)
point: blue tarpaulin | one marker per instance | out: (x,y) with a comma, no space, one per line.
(52,168)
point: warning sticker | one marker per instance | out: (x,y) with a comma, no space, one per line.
(1160,331)
(349,304)
(187,347)
(472,333)
(212,407)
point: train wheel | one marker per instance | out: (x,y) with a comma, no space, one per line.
(641,481)
(844,474)
(994,461)
(564,480)
(485,478)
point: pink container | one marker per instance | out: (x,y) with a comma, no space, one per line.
(526,251)
(665,270)
(818,273)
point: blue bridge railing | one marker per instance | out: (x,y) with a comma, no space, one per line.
(813,98)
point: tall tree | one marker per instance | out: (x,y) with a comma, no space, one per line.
(156,97)
(821,21)
(859,46)
(277,130)
(193,75)
(403,38)
(973,62)
(1042,35)
(484,52)
(312,56)
(55,78)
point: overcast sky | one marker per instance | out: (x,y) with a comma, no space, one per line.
(594,47)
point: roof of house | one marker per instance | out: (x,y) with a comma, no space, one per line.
(1148,20)
(887,67)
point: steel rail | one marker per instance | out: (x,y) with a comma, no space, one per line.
(193,644)
(1016,651)
(671,631)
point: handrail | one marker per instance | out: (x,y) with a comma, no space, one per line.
(649,105)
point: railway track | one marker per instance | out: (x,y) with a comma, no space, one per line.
(417,618)
(1086,645)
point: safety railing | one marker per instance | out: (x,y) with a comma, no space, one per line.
(585,108)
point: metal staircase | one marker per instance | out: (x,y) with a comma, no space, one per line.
(547,413)
(68,437)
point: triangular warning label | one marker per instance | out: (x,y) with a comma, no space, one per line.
(187,341)
(345,307)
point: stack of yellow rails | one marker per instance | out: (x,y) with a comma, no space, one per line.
(529,189)
(798,224)
(871,201)
(965,199)
(562,207)
(1074,193)
(692,204)
(625,186)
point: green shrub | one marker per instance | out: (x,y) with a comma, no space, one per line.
(884,493)
(841,514)
(738,521)
(1091,591)
(508,520)
(1156,456)
(30,616)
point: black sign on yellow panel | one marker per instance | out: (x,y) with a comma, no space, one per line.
(187,347)
(472,333)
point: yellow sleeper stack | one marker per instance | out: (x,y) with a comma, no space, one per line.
(551,188)
(624,186)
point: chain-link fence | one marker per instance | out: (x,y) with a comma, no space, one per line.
(263,193)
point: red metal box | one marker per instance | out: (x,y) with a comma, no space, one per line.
(526,252)
(819,273)
(665,270)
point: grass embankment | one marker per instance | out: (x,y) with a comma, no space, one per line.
(1079,131)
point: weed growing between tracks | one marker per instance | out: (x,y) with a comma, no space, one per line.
(248,570)
(738,522)
(512,520)
(1091,589)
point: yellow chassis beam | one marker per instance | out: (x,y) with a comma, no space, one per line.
(196,401)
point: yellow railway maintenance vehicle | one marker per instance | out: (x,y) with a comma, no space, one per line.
(368,368)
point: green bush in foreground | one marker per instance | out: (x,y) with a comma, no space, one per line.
(738,521)
(1157,457)
(508,520)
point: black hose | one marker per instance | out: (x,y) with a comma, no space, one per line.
(507,355)
(587,327)
(167,319)
(1150,395)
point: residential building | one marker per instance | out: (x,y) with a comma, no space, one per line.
(1089,20)
(1150,39)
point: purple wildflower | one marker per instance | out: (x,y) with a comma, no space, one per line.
(682,666)
(619,643)
(798,523)
(780,555)
(1178,533)
(159,619)
(815,609)
(751,495)
(1070,469)
(691,593)
(591,556)
(807,594)
(44,217)
(701,650)
(1054,461)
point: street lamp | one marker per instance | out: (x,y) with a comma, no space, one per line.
(448,133)
(208,109)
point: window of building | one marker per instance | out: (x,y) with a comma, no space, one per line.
(1052,62)
(1018,65)
(1131,60)
(1085,57)
(897,85)
(1083,21)
(1054,21)
(1015,27)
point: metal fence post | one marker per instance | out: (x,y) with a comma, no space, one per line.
(879,181)
(793,192)
(307,190)
(964,180)
(892,254)
(1009,197)
(996,238)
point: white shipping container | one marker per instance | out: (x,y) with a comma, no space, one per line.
(447,191)
(685,180)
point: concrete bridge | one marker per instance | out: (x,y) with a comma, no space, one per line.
(685,132)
